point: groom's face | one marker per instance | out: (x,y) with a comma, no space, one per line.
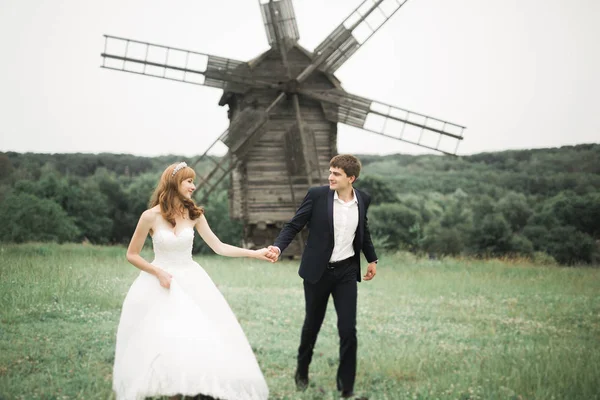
(338,180)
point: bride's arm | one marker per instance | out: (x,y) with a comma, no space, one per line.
(225,249)
(137,243)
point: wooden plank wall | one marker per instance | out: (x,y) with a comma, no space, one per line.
(268,195)
(260,192)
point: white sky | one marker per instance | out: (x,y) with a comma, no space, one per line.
(518,74)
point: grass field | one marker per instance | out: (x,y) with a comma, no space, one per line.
(444,329)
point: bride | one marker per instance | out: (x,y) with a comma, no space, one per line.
(177,335)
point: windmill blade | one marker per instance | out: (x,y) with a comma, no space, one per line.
(308,142)
(294,160)
(280,21)
(347,38)
(222,167)
(389,121)
(176,64)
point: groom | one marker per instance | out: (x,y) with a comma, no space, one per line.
(338,232)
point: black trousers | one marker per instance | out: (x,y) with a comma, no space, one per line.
(341,284)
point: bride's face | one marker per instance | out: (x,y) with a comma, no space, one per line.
(187,187)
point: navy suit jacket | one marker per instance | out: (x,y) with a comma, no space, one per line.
(316,210)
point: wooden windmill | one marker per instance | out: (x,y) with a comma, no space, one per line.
(284,107)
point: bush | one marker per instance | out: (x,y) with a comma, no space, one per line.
(520,245)
(541,258)
(570,246)
(443,241)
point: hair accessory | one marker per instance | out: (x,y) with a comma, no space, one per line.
(178,167)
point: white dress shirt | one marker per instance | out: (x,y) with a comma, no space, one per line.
(345,222)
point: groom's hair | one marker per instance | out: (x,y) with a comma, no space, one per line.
(348,163)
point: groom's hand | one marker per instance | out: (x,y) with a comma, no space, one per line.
(273,253)
(263,254)
(371,271)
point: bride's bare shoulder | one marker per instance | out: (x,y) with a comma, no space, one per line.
(201,219)
(151,214)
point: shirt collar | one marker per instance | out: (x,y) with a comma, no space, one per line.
(336,197)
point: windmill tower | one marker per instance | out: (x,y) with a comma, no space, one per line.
(284,107)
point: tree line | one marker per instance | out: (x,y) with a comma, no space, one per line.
(542,203)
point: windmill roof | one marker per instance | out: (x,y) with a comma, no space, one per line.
(256,61)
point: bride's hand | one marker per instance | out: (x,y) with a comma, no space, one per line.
(164,278)
(261,254)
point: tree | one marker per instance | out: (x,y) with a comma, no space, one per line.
(26,217)
(90,211)
(492,235)
(515,209)
(378,188)
(570,246)
(442,240)
(228,230)
(482,206)
(115,204)
(6,167)
(580,212)
(81,199)
(396,222)
(456,212)
(538,235)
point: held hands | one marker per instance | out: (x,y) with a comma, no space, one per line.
(164,278)
(371,271)
(273,253)
(265,254)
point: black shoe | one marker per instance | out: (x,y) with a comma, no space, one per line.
(349,394)
(301,381)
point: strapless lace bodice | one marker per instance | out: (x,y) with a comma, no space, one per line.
(172,248)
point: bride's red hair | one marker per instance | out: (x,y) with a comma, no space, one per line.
(167,191)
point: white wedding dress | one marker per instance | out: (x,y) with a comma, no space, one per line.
(182,340)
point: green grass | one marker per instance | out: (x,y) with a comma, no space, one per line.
(444,329)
